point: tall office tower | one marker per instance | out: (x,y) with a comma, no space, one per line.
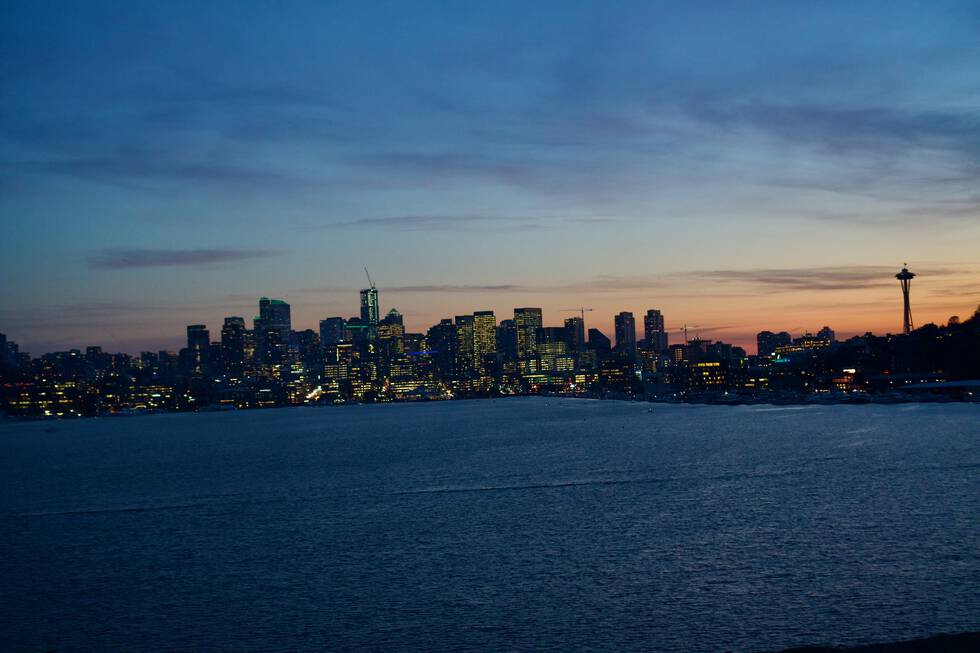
(442,347)
(484,336)
(626,334)
(575,333)
(767,342)
(465,354)
(654,333)
(331,331)
(599,343)
(507,340)
(528,321)
(4,355)
(275,315)
(198,343)
(391,336)
(370,313)
(233,345)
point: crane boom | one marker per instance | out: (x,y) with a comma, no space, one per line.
(581,311)
(370,283)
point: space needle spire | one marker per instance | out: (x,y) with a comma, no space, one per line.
(905,278)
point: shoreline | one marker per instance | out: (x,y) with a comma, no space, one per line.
(730,401)
(943,643)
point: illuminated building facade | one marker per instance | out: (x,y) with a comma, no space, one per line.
(654,332)
(527,322)
(370,313)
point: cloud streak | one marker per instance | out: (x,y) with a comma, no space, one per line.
(848,277)
(129,258)
(458,222)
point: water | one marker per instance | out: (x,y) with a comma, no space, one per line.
(495,525)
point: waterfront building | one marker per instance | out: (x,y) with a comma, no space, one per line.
(233,345)
(654,332)
(527,322)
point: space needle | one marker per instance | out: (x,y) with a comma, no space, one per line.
(905,278)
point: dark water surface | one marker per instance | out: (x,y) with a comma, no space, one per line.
(493,525)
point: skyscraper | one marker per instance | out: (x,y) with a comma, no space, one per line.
(484,336)
(442,343)
(370,313)
(233,345)
(599,343)
(465,355)
(198,343)
(575,333)
(507,344)
(276,315)
(654,333)
(528,321)
(626,334)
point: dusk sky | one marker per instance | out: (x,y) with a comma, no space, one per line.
(741,166)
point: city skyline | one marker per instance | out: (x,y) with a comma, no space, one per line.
(763,166)
(595,319)
(633,326)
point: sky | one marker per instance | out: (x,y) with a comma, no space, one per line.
(740,166)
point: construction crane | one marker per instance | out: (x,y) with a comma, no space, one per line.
(581,311)
(685,328)
(370,283)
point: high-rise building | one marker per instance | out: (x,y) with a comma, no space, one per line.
(198,344)
(233,345)
(575,333)
(599,343)
(484,336)
(527,321)
(654,333)
(626,334)
(391,332)
(442,347)
(276,315)
(507,345)
(331,331)
(465,353)
(370,313)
